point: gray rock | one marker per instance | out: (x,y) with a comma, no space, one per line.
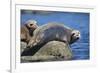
(52,51)
(23,46)
(55,48)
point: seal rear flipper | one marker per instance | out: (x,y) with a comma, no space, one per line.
(30,51)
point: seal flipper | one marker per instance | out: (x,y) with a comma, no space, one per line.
(31,51)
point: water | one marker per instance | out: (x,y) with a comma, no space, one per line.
(79,21)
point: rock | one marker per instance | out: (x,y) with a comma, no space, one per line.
(23,46)
(25,59)
(55,48)
(52,51)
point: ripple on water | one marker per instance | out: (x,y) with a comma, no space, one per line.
(80,51)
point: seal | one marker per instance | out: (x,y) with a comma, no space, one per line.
(27,30)
(53,31)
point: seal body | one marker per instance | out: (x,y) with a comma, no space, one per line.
(53,31)
(27,30)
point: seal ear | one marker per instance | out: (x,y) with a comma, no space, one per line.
(75,35)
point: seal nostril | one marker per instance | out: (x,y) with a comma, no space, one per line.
(77,37)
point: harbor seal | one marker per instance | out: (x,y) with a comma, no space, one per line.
(53,31)
(27,30)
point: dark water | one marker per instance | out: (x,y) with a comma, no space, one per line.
(79,21)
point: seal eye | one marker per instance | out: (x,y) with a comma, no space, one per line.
(31,24)
(73,34)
